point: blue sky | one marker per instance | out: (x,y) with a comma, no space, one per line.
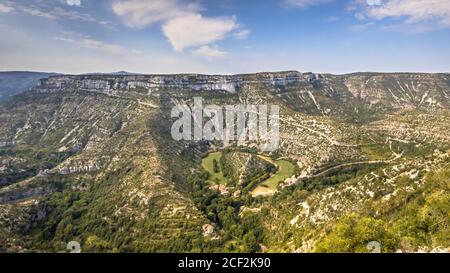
(229,36)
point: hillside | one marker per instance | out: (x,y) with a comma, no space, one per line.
(363,157)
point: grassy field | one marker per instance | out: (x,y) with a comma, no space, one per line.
(207,164)
(286,169)
(269,187)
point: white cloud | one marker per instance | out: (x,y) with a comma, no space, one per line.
(435,12)
(182,23)
(5,9)
(99,45)
(73,2)
(64,39)
(242,34)
(305,3)
(90,43)
(50,12)
(141,13)
(373,2)
(195,30)
(209,52)
(362,26)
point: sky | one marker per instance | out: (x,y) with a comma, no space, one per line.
(225,37)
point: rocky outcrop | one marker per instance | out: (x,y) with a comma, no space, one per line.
(21,194)
(6,143)
(391,91)
(79,169)
(193,82)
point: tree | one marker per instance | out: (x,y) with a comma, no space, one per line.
(251,242)
(216,166)
(352,234)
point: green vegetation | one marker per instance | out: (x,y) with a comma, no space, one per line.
(32,160)
(229,166)
(425,219)
(239,165)
(103,169)
(409,221)
(376,151)
(353,233)
(211,165)
(239,232)
(336,176)
(89,218)
(285,170)
(216,166)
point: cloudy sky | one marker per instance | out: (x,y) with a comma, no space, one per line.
(227,36)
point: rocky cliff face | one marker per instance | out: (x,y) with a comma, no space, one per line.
(315,93)
(193,82)
(401,89)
